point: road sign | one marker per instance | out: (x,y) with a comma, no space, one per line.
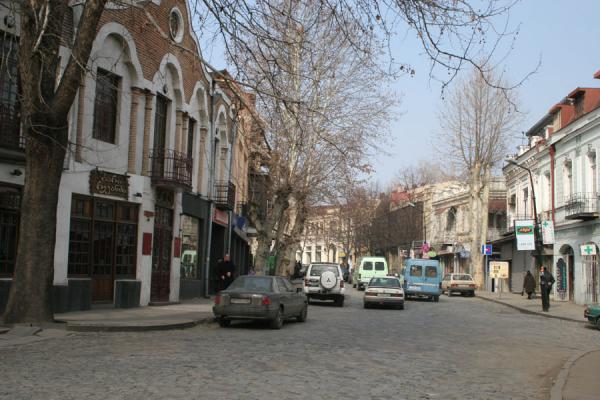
(499,269)
(486,249)
(588,250)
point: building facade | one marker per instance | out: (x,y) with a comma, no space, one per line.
(146,199)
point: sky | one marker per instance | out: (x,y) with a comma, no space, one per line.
(563,34)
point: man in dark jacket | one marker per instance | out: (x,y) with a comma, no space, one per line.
(528,284)
(226,271)
(546,282)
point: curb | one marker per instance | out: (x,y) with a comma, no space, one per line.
(563,375)
(525,311)
(108,327)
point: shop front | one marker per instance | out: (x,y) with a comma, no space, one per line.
(193,245)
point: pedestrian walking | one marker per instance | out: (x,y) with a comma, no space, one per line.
(226,271)
(528,285)
(546,282)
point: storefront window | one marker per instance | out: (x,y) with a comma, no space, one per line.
(190,249)
(10,203)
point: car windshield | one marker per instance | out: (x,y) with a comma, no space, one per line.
(318,269)
(385,282)
(379,266)
(465,277)
(252,283)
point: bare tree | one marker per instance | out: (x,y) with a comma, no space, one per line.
(423,173)
(477,121)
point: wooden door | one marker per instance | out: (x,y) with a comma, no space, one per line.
(161,254)
(103,245)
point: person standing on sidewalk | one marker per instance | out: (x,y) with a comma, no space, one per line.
(546,282)
(528,284)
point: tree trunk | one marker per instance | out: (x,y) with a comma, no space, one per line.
(479,199)
(30,299)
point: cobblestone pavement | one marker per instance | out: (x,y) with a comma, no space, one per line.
(459,348)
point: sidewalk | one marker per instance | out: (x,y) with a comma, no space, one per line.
(175,316)
(578,379)
(563,310)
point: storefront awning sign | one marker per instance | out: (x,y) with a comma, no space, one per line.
(525,234)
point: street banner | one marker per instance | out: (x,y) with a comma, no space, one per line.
(525,234)
(499,269)
(548,232)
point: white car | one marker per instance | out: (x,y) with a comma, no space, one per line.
(458,283)
(324,281)
(384,291)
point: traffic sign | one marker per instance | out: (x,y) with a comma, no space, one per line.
(499,269)
(486,249)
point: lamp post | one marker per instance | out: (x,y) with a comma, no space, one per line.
(535,214)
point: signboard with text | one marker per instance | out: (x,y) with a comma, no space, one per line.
(548,232)
(498,269)
(525,234)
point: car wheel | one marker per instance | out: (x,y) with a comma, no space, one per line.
(224,323)
(339,301)
(472,294)
(277,322)
(449,293)
(365,305)
(436,298)
(303,314)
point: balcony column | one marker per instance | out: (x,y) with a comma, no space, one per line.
(201,158)
(80,112)
(147,122)
(184,135)
(178,122)
(133,116)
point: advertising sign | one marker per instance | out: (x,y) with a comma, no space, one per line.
(561,276)
(499,269)
(588,250)
(525,234)
(548,232)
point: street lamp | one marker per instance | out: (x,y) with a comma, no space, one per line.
(535,214)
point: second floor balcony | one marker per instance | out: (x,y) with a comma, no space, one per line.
(582,206)
(171,169)
(224,195)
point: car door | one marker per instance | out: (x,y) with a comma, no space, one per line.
(285,297)
(445,282)
(297,298)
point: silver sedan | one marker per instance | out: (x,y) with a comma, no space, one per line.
(384,291)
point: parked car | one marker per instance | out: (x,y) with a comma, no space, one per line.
(458,283)
(324,281)
(384,291)
(345,273)
(268,298)
(422,278)
(592,313)
(367,268)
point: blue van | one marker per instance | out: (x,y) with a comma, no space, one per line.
(422,278)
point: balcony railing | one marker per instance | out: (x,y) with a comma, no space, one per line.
(171,169)
(582,206)
(224,195)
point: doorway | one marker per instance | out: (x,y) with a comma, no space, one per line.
(569,256)
(161,254)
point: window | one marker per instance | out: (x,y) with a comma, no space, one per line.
(9,89)
(525,201)
(176,25)
(318,254)
(592,173)
(451,219)
(367,266)
(567,180)
(416,270)
(384,282)
(318,269)
(105,106)
(190,139)
(284,286)
(431,272)
(160,123)
(10,204)
(379,266)
(102,237)
(190,231)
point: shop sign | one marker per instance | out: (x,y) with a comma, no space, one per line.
(588,250)
(221,217)
(525,234)
(561,276)
(107,183)
(498,269)
(548,232)
(431,254)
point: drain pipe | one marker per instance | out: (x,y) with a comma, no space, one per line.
(210,189)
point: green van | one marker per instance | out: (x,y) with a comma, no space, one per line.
(367,268)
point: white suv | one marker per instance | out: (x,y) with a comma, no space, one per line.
(324,281)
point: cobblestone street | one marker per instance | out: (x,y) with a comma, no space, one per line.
(459,348)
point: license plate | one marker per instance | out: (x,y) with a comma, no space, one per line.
(240,301)
(417,288)
(383,295)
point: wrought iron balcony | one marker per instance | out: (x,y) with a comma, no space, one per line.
(224,195)
(583,206)
(171,169)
